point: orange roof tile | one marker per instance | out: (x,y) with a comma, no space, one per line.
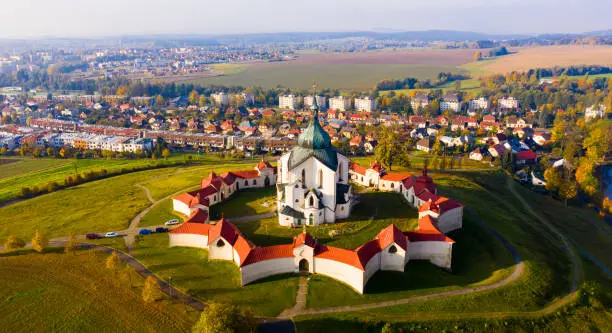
(357,168)
(391,234)
(246,174)
(267,253)
(192,228)
(348,257)
(304,238)
(394,177)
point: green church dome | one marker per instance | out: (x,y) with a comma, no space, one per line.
(314,141)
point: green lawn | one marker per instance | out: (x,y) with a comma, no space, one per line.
(56,292)
(246,202)
(11,167)
(160,214)
(335,76)
(192,273)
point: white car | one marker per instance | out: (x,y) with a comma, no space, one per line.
(111,234)
(172,222)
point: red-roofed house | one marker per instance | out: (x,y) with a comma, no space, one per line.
(375,176)
(526,157)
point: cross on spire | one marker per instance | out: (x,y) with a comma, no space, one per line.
(314,106)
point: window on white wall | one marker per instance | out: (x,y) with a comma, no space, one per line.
(320,178)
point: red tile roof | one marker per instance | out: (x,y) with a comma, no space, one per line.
(224,229)
(357,168)
(267,253)
(250,174)
(263,165)
(192,228)
(184,198)
(427,231)
(304,238)
(391,234)
(375,166)
(199,215)
(243,247)
(394,177)
(348,257)
(367,251)
(526,155)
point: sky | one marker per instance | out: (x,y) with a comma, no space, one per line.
(90,18)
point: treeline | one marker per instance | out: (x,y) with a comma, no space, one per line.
(29,192)
(570,71)
(414,83)
(498,51)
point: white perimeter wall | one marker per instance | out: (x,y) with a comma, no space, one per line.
(340,271)
(225,252)
(393,261)
(262,269)
(190,240)
(438,253)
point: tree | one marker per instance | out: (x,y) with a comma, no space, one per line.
(507,161)
(568,190)
(389,148)
(193,97)
(62,153)
(166,153)
(122,91)
(40,242)
(202,100)
(553,179)
(224,318)
(478,56)
(71,244)
(388,328)
(150,291)
(113,261)
(14,243)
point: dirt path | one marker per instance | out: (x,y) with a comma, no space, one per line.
(146,192)
(300,300)
(576,263)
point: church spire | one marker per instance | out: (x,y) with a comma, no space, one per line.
(315,106)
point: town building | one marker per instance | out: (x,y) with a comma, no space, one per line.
(508,103)
(450,101)
(340,103)
(479,104)
(594,111)
(321,101)
(288,102)
(419,100)
(220,98)
(365,104)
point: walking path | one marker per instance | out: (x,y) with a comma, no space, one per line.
(300,300)
(576,263)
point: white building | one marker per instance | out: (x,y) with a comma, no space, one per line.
(419,100)
(340,103)
(321,101)
(450,102)
(313,181)
(594,111)
(249,99)
(365,104)
(508,103)
(288,102)
(479,104)
(220,98)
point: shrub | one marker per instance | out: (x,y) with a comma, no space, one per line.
(113,261)
(14,243)
(218,317)
(150,291)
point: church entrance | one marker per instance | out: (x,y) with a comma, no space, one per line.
(267,181)
(222,196)
(304,266)
(310,219)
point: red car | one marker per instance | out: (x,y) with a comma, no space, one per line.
(92,236)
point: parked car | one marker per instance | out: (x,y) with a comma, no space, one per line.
(172,222)
(145,232)
(111,234)
(92,236)
(161,229)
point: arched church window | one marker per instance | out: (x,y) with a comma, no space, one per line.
(220,243)
(311,202)
(340,173)
(246,183)
(320,178)
(303,177)
(392,249)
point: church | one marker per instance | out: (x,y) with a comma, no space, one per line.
(313,179)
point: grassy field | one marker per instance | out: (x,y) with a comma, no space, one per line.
(335,76)
(30,172)
(56,292)
(551,56)
(192,273)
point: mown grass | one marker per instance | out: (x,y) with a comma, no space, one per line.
(191,272)
(246,202)
(11,167)
(160,214)
(56,292)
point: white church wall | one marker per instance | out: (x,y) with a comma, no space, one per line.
(371,267)
(393,261)
(189,240)
(451,220)
(180,207)
(438,253)
(263,269)
(343,211)
(389,186)
(348,274)
(216,252)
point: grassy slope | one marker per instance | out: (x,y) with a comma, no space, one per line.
(246,202)
(75,293)
(21,166)
(206,280)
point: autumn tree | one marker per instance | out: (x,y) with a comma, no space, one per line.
(40,242)
(165,153)
(225,318)
(14,243)
(478,56)
(113,261)
(122,91)
(193,97)
(389,148)
(71,244)
(150,291)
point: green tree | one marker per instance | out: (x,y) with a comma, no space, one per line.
(224,318)
(150,291)
(568,190)
(14,243)
(389,148)
(388,328)
(40,242)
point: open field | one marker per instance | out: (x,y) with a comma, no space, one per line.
(205,280)
(341,70)
(246,202)
(11,167)
(56,292)
(551,56)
